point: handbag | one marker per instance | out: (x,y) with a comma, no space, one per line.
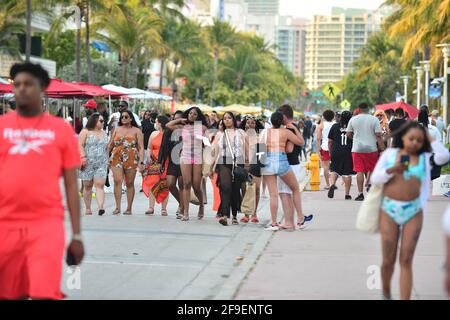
(208,162)
(248,205)
(160,190)
(238,173)
(153,168)
(368,218)
(435,169)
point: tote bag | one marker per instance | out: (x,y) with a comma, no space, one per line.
(368,218)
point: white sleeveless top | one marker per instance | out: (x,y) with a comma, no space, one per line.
(326,130)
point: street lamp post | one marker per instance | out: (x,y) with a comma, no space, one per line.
(446,52)
(419,70)
(405,87)
(426,68)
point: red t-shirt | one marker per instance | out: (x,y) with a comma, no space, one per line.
(33,154)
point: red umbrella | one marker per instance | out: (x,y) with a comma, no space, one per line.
(412,111)
(59,88)
(5,88)
(94,90)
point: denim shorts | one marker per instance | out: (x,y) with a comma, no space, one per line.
(277,164)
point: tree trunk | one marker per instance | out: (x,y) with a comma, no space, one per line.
(28,32)
(88,47)
(146,66)
(161,75)
(78,56)
(213,89)
(125,73)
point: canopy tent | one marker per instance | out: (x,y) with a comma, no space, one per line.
(238,108)
(136,93)
(94,90)
(5,88)
(412,111)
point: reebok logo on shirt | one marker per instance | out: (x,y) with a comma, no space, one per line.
(20,143)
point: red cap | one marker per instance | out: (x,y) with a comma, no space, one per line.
(90,104)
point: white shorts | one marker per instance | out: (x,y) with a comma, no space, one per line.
(283,187)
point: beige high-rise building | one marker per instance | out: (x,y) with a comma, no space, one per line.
(334,42)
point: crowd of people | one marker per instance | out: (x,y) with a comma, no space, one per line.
(177,153)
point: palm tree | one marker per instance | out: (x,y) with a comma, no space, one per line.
(134,28)
(10,25)
(422,23)
(221,37)
(28,31)
(241,68)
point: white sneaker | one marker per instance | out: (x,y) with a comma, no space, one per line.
(272,227)
(109,189)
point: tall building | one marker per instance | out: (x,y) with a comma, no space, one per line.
(333,43)
(290,40)
(262,7)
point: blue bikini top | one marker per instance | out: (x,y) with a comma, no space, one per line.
(418,171)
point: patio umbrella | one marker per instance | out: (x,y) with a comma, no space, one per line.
(412,111)
(94,90)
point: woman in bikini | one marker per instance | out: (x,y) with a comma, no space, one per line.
(404,170)
(127,155)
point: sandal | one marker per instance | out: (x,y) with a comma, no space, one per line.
(234,221)
(255,219)
(127,213)
(116,212)
(245,219)
(223,221)
(185,218)
(101,212)
(88,213)
(286,229)
(150,212)
(179,215)
(164,212)
(201,214)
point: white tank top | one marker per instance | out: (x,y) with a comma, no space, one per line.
(326,130)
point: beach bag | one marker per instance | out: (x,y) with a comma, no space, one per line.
(153,168)
(368,218)
(208,162)
(160,190)
(248,204)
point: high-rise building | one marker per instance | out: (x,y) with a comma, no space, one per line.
(262,7)
(290,40)
(334,42)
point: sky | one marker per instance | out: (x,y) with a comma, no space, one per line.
(308,8)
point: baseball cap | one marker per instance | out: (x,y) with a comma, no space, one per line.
(90,104)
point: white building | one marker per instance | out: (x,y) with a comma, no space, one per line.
(290,39)
(333,43)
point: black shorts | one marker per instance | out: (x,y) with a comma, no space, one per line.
(173,169)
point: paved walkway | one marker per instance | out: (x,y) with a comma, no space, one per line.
(141,257)
(331,259)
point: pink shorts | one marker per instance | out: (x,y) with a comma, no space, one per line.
(31,261)
(325,155)
(364,162)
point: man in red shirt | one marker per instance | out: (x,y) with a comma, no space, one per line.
(36,150)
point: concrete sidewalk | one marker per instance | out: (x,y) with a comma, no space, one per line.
(331,259)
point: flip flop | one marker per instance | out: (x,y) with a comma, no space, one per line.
(286,229)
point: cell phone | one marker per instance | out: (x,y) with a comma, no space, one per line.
(70,258)
(404,159)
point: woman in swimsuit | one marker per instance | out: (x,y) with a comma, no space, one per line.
(404,170)
(193,126)
(127,155)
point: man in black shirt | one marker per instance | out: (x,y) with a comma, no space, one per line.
(294,162)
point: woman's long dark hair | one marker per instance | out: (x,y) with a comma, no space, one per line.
(200,116)
(232,118)
(258,125)
(398,142)
(163,120)
(423,118)
(130,114)
(92,121)
(345,119)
